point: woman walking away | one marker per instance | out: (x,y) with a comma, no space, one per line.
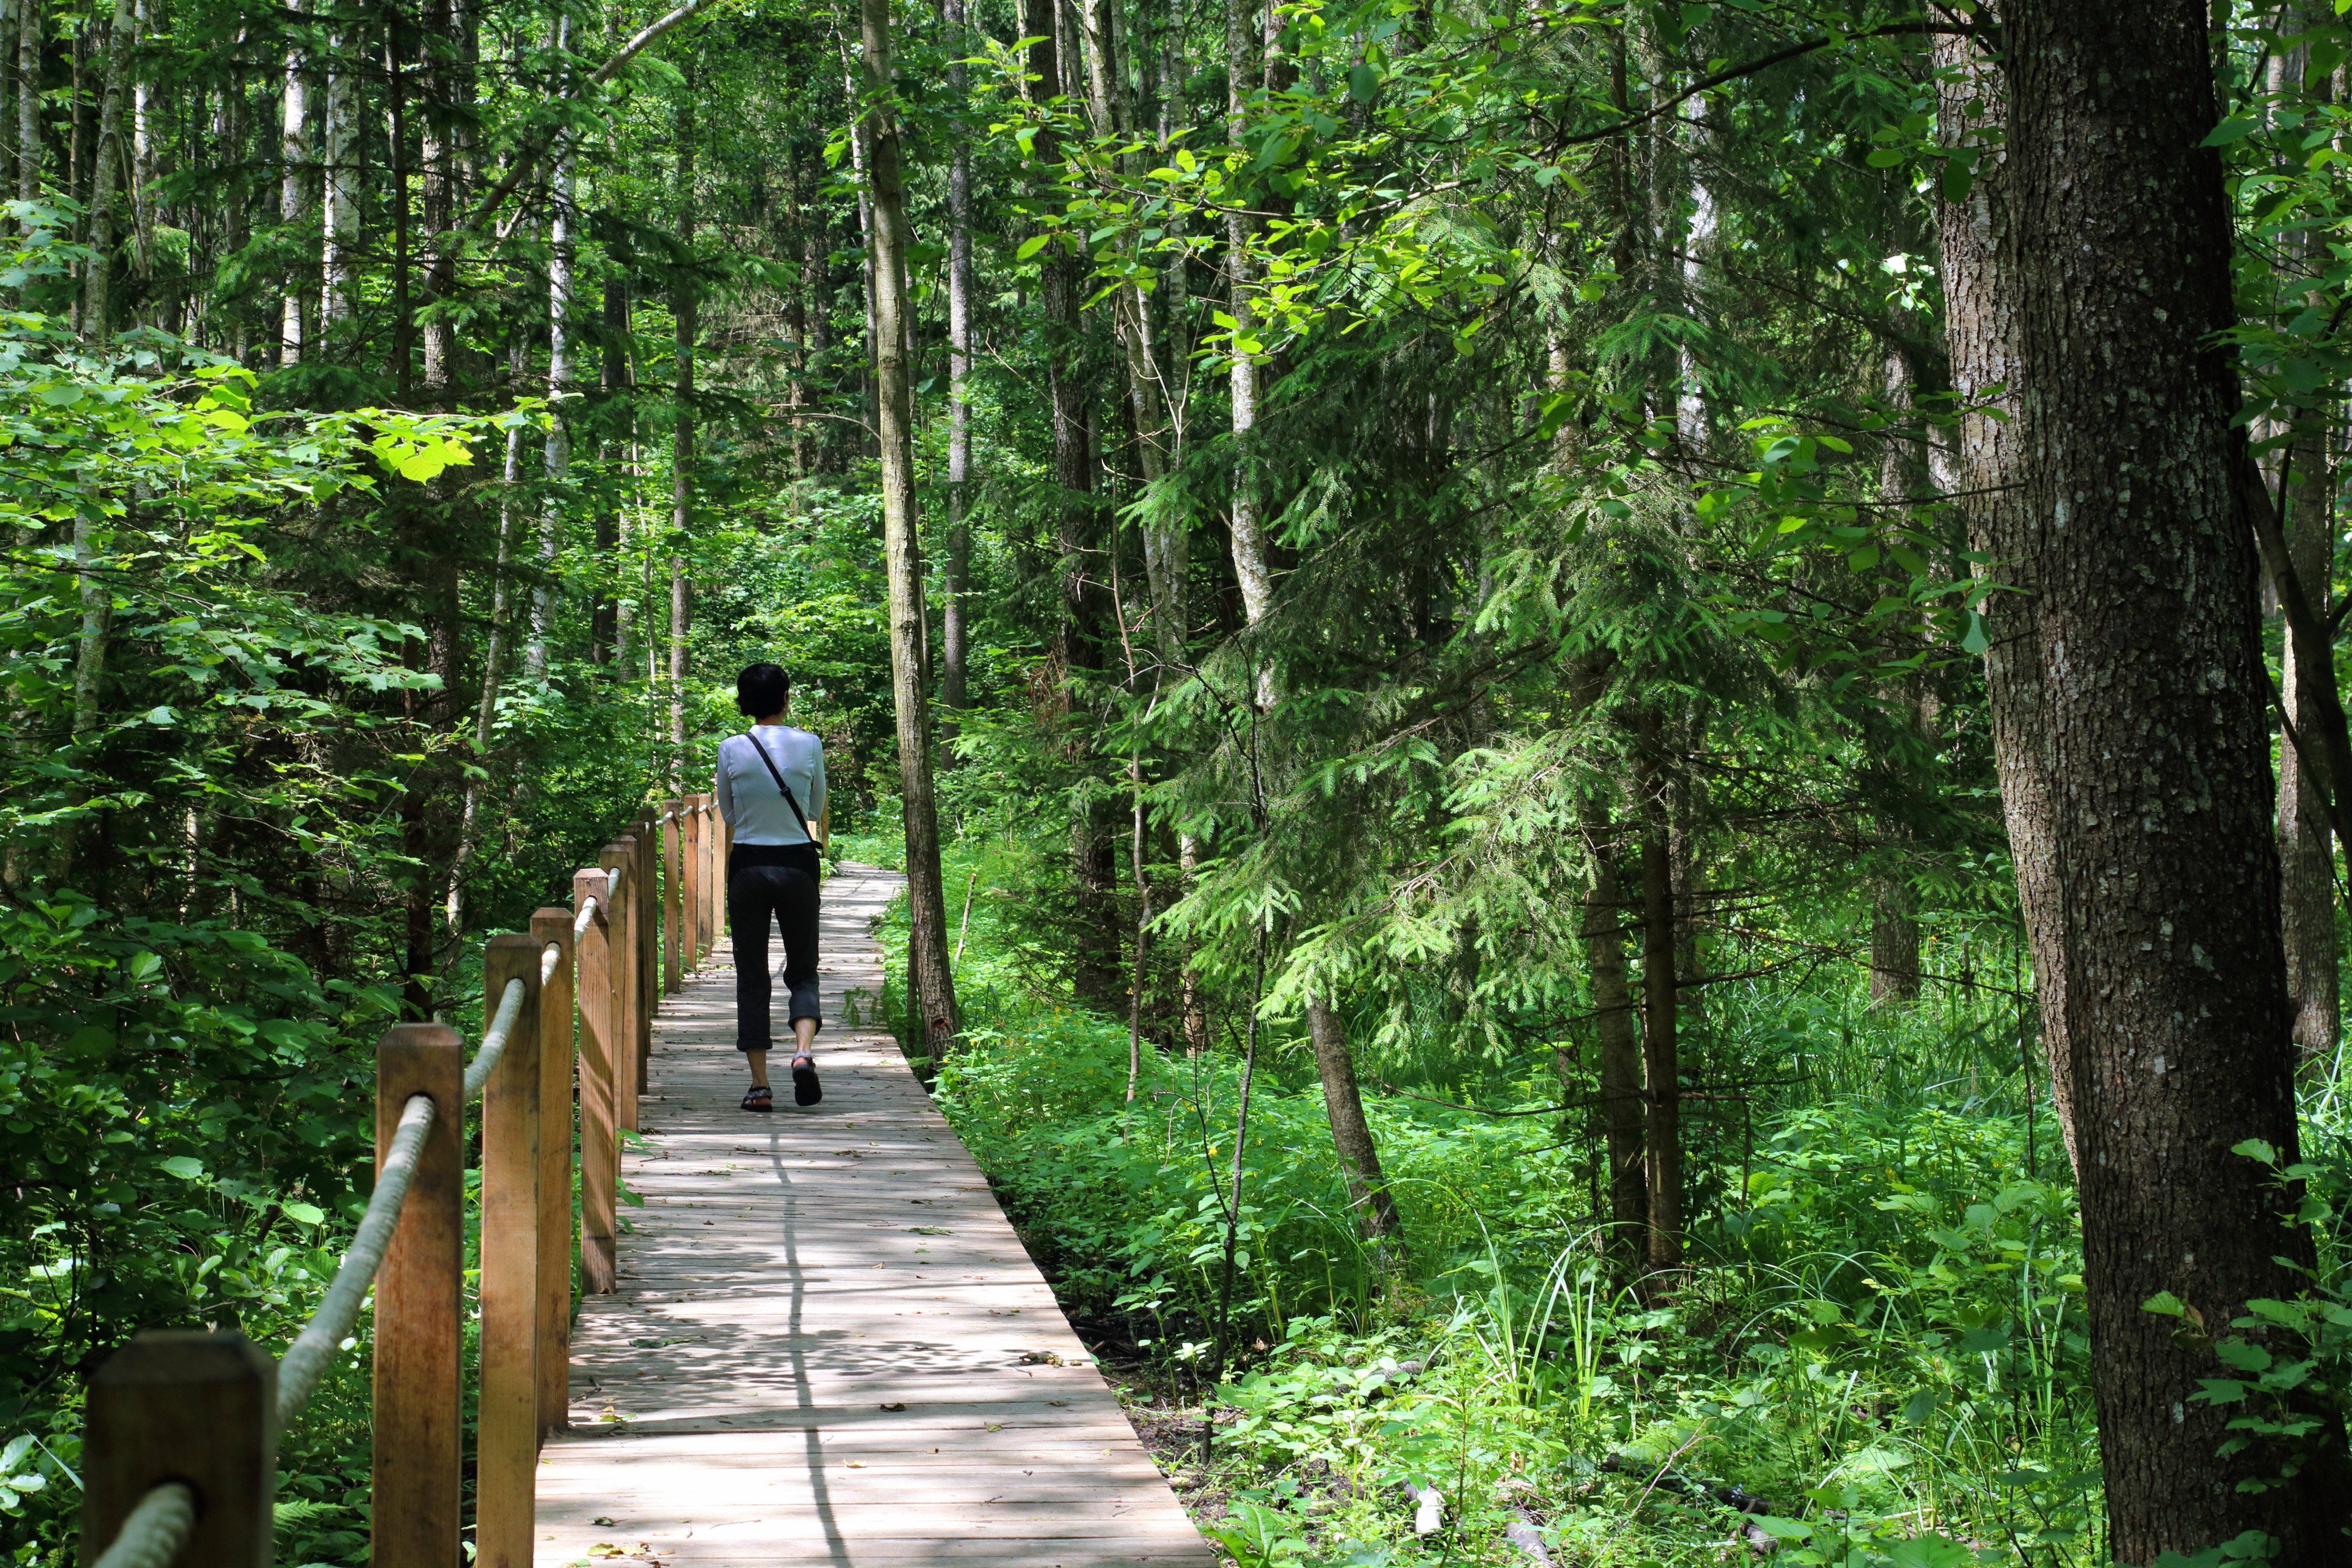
(771,792)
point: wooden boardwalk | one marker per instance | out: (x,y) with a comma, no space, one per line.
(828,1346)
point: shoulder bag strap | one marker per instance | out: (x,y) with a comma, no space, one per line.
(797,814)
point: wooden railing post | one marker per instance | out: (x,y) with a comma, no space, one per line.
(600,1166)
(418,1343)
(721,842)
(649,918)
(553,927)
(673,903)
(690,879)
(506,1440)
(621,855)
(199,1408)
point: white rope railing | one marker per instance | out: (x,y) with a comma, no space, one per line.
(156,1531)
(494,1038)
(305,1361)
(159,1528)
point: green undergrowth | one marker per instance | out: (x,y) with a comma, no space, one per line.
(1876,1357)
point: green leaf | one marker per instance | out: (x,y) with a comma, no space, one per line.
(1783,1528)
(2237,128)
(1363,83)
(1959,173)
(1975,641)
(1932,1550)
(187,1167)
(1031,247)
(304,1213)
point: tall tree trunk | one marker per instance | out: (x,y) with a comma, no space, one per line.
(930,988)
(2307,857)
(954,636)
(106,183)
(1981,332)
(1081,636)
(32,27)
(1245,521)
(1894,907)
(440,57)
(339,243)
(403,296)
(2307,894)
(1661,1137)
(2139,639)
(1377,1220)
(684,305)
(555,457)
(1619,1036)
(294,171)
(617,382)
(486,712)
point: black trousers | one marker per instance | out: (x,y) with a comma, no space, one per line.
(772,882)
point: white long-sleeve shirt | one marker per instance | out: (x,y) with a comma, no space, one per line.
(748,798)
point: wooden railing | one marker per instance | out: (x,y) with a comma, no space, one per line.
(179,1455)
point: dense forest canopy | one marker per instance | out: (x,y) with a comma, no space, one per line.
(1615,725)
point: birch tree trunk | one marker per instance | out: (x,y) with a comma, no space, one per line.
(294,152)
(683,306)
(954,639)
(31,28)
(930,990)
(106,183)
(1246,524)
(339,245)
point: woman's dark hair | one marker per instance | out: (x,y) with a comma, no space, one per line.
(760,691)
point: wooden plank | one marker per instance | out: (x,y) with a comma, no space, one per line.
(552,928)
(415,1423)
(798,1366)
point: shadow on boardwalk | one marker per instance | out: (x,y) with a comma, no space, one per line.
(828,1346)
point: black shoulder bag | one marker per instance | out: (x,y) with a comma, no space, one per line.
(798,815)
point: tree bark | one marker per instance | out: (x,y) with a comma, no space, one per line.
(1661,1138)
(339,243)
(1377,1220)
(1618,1033)
(1080,636)
(1982,333)
(31,28)
(106,180)
(930,988)
(2307,892)
(2307,857)
(684,308)
(2140,641)
(1245,522)
(954,639)
(293,197)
